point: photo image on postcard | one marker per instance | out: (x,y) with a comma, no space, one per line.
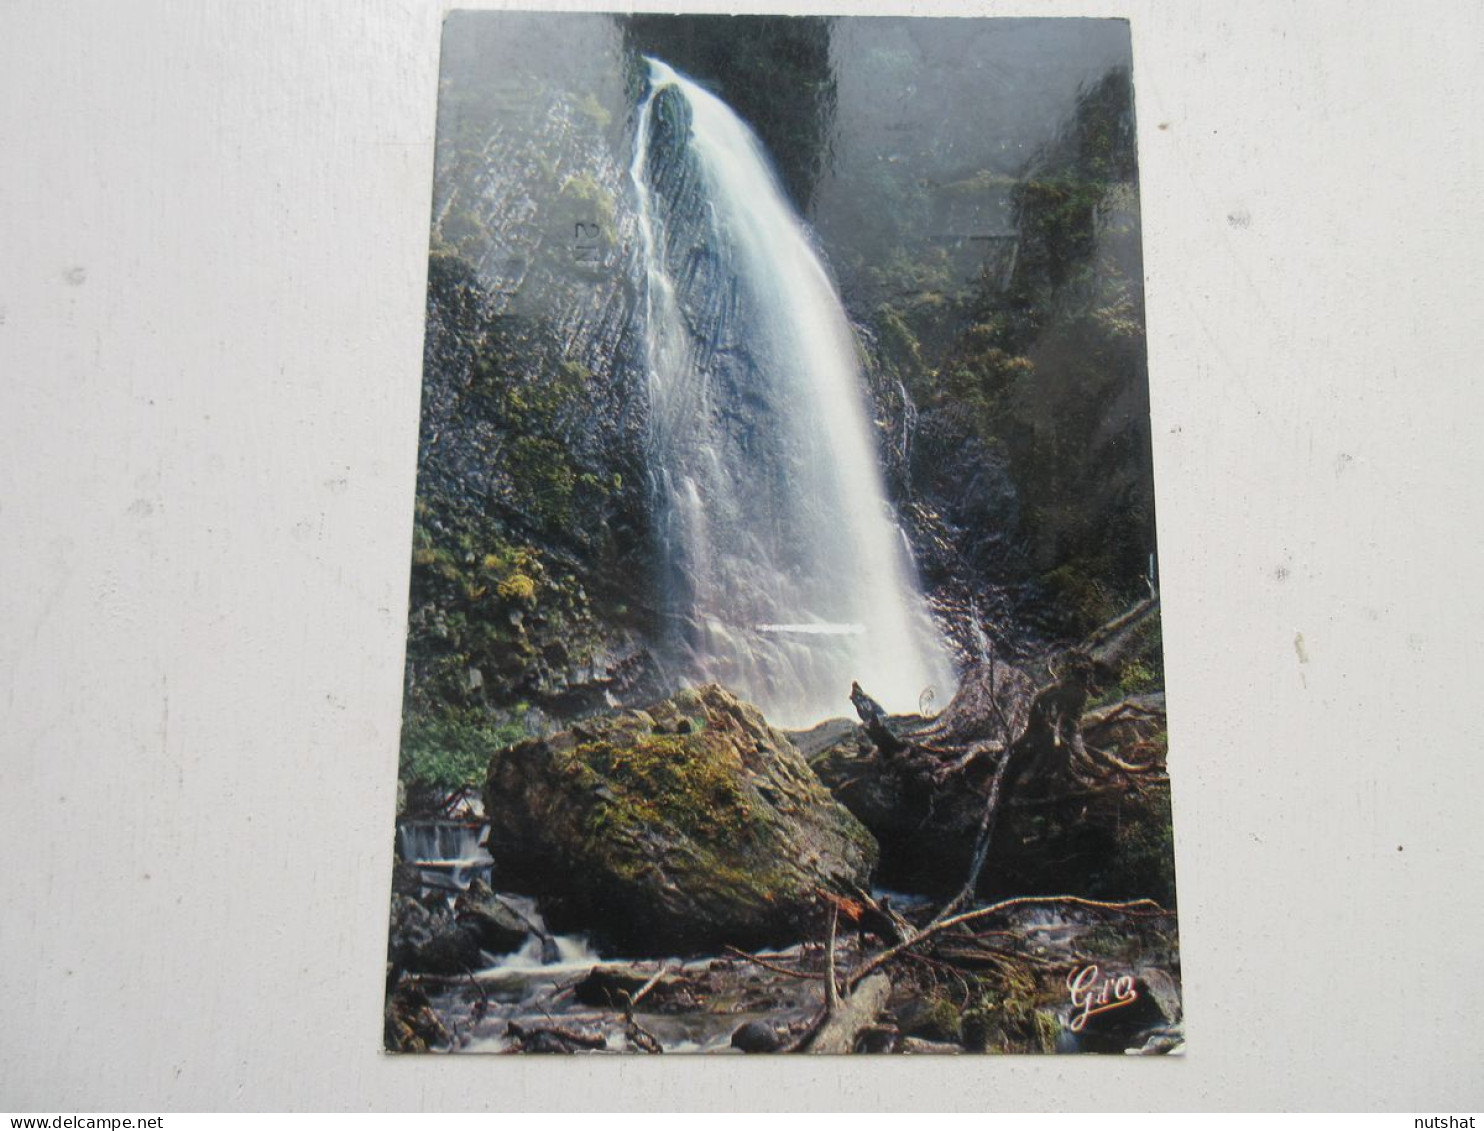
(783,666)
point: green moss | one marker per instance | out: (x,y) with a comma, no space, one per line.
(1047,1029)
(1142,672)
(980,1025)
(1077,588)
(940,1022)
(517,587)
(679,781)
(682,783)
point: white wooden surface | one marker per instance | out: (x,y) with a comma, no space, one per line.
(213,219)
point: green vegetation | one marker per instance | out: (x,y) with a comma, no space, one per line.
(1038,367)
(1144,850)
(520,519)
(450,750)
(1142,671)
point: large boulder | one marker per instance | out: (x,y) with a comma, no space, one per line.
(676,829)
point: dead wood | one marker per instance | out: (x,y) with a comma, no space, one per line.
(554,1038)
(638,1036)
(831,987)
(858,1010)
(756,960)
(1133,907)
(1109,646)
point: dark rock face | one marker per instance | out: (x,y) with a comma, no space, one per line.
(448,953)
(429,938)
(528,570)
(686,826)
(499,929)
(426,940)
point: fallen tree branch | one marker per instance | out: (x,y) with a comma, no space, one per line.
(766,965)
(831,988)
(986,834)
(1109,644)
(1118,763)
(637,1035)
(1133,907)
(644,989)
(564,1036)
(641,1038)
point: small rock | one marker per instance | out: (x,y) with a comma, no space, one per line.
(499,930)
(1160,987)
(757,1036)
(878,1039)
(937,1048)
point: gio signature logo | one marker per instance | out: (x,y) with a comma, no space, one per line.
(1093,992)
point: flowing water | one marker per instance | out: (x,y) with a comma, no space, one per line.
(449,854)
(787,576)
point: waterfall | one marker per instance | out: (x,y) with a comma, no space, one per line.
(449,854)
(786,576)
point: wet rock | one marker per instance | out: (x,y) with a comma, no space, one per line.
(878,1039)
(1164,1042)
(554,1039)
(825,735)
(1163,989)
(406,879)
(413,925)
(613,987)
(609,986)
(934,1048)
(757,1036)
(451,952)
(668,842)
(499,928)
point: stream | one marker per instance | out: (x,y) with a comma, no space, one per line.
(562,983)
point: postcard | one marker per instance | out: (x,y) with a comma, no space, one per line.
(783,666)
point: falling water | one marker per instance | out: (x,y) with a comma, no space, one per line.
(449,854)
(787,575)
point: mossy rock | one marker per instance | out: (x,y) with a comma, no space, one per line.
(676,829)
(931,1018)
